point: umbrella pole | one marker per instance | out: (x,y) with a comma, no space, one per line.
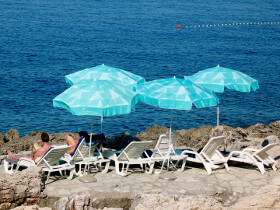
(90,139)
(171,118)
(218,116)
(101,124)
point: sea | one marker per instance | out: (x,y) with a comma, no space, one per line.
(42,41)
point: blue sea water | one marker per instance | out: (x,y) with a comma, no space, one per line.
(41,41)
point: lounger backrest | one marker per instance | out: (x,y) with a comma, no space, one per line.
(85,150)
(76,154)
(165,145)
(134,150)
(262,153)
(79,144)
(53,155)
(212,145)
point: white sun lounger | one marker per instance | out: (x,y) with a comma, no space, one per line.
(209,156)
(165,154)
(49,162)
(83,160)
(257,157)
(131,155)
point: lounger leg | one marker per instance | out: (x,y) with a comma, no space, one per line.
(85,168)
(17,167)
(123,168)
(175,165)
(261,167)
(162,165)
(208,168)
(8,167)
(71,174)
(60,172)
(105,170)
(274,167)
(168,164)
(183,164)
(117,166)
(79,172)
(79,169)
(226,166)
(126,169)
(100,167)
(47,176)
(151,168)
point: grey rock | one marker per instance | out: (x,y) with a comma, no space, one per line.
(31,207)
(95,201)
(169,176)
(87,178)
(1,139)
(22,187)
(11,135)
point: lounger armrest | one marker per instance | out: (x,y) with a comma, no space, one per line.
(147,155)
(109,155)
(218,155)
(26,162)
(67,157)
(231,154)
(250,150)
(186,152)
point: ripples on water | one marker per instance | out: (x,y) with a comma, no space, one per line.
(41,41)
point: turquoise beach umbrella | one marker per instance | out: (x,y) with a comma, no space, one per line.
(217,78)
(175,93)
(103,72)
(97,98)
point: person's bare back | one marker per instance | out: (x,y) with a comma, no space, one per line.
(36,154)
(71,142)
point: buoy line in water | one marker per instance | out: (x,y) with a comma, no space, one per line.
(228,24)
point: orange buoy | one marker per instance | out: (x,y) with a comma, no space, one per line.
(178,26)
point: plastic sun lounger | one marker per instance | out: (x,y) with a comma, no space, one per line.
(49,162)
(131,155)
(209,156)
(165,154)
(84,160)
(257,157)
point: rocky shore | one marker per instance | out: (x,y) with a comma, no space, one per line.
(242,187)
(237,138)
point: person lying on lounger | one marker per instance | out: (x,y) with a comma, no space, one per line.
(36,153)
(72,142)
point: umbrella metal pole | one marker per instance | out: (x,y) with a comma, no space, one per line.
(218,116)
(171,118)
(90,139)
(101,124)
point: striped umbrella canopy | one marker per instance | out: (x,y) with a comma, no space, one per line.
(217,78)
(103,72)
(175,93)
(97,98)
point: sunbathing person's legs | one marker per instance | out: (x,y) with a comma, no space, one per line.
(11,155)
